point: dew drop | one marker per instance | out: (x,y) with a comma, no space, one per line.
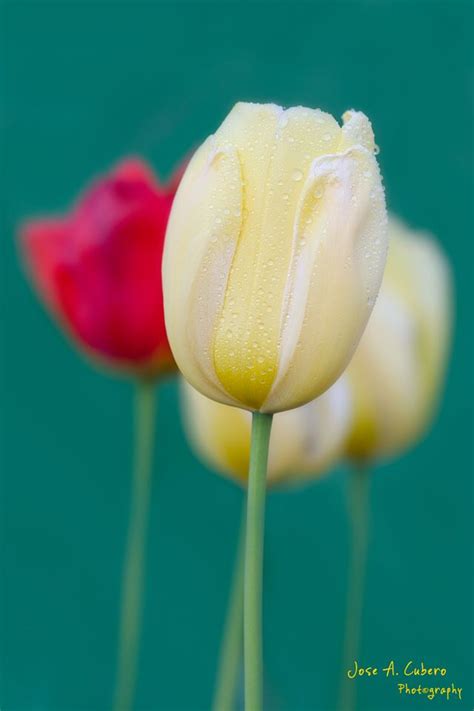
(297,175)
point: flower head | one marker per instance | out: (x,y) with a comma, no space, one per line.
(98,268)
(304,442)
(275,251)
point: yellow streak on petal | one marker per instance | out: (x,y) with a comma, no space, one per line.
(276,149)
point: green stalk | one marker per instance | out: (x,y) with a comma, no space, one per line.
(231,648)
(134,561)
(253,663)
(358,505)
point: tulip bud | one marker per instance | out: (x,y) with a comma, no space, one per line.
(275,251)
(98,269)
(304,442)
(397,371)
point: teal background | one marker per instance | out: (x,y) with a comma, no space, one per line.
(82,84)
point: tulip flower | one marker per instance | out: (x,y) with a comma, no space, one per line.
(278,236)
(305,442)
(395,378)
(274,255)
(98,271)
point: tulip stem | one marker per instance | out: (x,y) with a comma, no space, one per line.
(254,535)
(231,647)
(358,505)
(134,560)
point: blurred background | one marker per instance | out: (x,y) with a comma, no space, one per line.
(83,84)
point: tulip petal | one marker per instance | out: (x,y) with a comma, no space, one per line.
(339,252)
(43,243)
(385,379)
(318,429)
(205,234)
(356,131)
(419,272)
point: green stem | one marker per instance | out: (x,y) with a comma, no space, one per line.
(231,648)
(358,505)
(134,561)
(261,428)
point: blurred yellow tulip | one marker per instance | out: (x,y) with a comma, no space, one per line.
(397,371)
(274,255)
(304,442)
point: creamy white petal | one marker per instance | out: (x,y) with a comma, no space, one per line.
(339,251)
(202,235)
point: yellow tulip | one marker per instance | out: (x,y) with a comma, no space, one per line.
(397,371)
(304,442)
(274,255)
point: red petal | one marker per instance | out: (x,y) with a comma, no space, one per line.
(42,242)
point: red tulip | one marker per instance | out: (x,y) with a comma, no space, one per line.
(98,268)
